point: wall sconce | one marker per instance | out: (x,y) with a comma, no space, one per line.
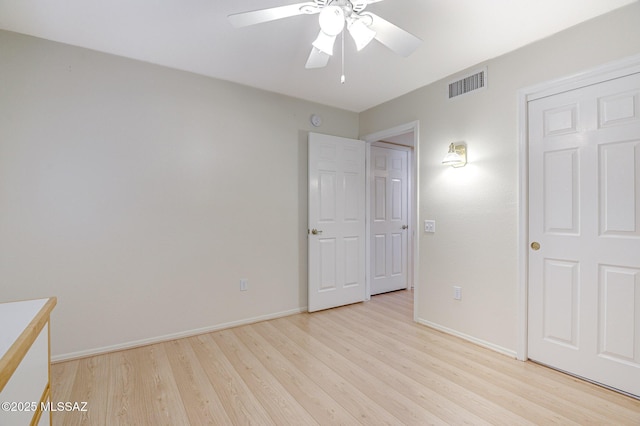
(457,155)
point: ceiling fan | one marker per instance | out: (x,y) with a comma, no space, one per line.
(334,15)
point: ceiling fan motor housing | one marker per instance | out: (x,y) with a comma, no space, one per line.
(347,6)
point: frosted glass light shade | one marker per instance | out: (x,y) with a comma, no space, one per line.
(457,155)
(361,34)
(324,43)
(331,20)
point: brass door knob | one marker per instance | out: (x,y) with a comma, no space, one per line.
(405,226)
(535,245)
(314,231)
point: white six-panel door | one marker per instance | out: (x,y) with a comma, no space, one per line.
(584,227)
(336,221)
(388,217)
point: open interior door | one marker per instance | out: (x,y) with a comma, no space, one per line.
(336,221)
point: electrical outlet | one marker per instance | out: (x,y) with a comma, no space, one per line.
(430,226)
(457,292)
(244,284)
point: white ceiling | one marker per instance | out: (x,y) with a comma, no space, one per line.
(194,35)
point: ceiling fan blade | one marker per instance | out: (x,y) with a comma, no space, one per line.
(317,59)
(360,5)
(395,38)
(244,19)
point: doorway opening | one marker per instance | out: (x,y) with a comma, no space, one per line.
(385,259)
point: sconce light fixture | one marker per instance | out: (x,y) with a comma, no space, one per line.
(457,155)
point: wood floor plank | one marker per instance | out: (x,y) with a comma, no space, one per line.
(444,391)
(312,397)
(366,363)
(457,356)
(121,407)
(281,406)
(155,389)
(344,393)
(88,387)
(202,404)
(505,398)
(241,406)
(380,357)
(397,403)
(398,303)
(63,375)
(517,390)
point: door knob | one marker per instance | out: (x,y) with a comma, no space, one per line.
(314,231)
(404,226)
(535,245)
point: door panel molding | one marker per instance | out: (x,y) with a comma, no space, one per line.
(603,73)
(389,201)
(336,221)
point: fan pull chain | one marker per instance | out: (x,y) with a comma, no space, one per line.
(342,79)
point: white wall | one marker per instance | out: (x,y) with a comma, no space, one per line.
(475,207)
(140,195)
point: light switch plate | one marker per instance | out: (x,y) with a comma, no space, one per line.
(430,226)
(457,292)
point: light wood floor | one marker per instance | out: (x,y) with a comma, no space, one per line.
(362,364)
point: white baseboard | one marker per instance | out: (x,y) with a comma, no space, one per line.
(479,342)
(173,336)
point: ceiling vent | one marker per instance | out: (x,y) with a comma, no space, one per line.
(467,84)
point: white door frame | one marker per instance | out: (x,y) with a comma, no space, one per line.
(412,244)
(596,75)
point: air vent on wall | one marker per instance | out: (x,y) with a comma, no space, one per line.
(467,84)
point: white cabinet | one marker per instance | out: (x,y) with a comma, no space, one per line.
(25,361)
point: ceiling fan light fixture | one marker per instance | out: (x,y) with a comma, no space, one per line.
(333,17)
(361,33)
(331,20)
(325,42)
